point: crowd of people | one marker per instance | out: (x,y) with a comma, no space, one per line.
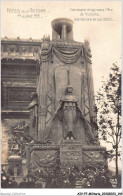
(60,178)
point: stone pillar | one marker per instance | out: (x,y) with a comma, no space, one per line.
(33,111)
(55,35)
(70,35)
(91,88)
(64,32)
(90,77)
(42,94)
(86,95)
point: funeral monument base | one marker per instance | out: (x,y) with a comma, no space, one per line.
(69,153)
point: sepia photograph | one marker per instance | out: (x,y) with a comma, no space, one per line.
(61,97)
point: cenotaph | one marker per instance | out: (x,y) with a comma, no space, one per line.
(62,110)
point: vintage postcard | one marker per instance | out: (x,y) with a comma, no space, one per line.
(61,131)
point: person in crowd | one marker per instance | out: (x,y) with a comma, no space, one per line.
(84,183)
(23,184)
(3,172)
(108,183)
(4,182)
(30,183)
(91,180)
(66,183)
(14,184)
(72,178)
(38,184)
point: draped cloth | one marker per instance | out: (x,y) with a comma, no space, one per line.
(67,55)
